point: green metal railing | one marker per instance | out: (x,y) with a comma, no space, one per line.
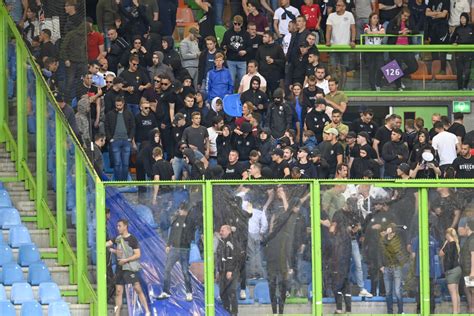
(96,293)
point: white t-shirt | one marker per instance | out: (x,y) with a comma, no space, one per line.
(456,8)
(286,43)
(445,144)
(245,82)
(284,19)
(341,28)
(212,141)
(323,85)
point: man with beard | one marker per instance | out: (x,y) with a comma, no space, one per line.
(255,95)
(271,59)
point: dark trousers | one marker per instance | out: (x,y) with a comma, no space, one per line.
(409,60)
(228,293)
(463,69)
(167,15)
(73,76)
(277,279)
(376,280)
(374,61)
(341,288)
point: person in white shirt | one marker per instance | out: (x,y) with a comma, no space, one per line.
(287,38)
(258,226)
(214,131)
(446,145)
(456,8)
(282,17)
(252,70)
(340,30)
(321,81)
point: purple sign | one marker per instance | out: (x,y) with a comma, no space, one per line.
(392,71)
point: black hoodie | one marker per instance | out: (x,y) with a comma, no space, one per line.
(145,155)
(153,43)
(256,96)
(463,34)
(170,54)
(276,69)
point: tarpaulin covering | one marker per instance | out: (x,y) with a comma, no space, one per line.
(153,259)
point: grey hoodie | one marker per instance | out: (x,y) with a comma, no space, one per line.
(160,68)
(82,119)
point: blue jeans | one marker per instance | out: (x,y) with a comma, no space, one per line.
(121,154)
(179,165)
(254,255)
(175,255)
(237,69)
(357,259)
(392,277)
(218,12)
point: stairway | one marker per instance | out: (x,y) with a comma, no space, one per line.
(60,274)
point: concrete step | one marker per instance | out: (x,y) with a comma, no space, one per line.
(8,174)
(76,310)
(41,237)
(7,166)
(69,299)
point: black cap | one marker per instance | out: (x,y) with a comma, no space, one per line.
(277,151)
(305,149)
(351,134)
(321,101)
(365,135)
(404,167)
(315,152)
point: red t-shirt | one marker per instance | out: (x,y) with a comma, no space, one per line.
(94,39)
(260,21)
(312,14)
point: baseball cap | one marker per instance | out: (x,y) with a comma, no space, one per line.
(321,101)
(351,134)
(333,131)
(404,167)
(305,149)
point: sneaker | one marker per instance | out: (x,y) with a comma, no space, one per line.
(365,293)
(243,295)
(189,297)
(377,88)
(403,86)
(163,296)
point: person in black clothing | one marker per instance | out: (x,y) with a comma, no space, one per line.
(47,48)
(265,146)
(365,123)
(316,119)
(118,46)
(394,153)
(145,121)
(271,61)
(463,35)
(437,28)
(306,167)
(166,111)
(313,92)
(227,262)
(279,115)
(144,161)
(137,82)
(170,54)
(464,164)
(196,167)
(258,98)
(135,17)
(224,145)
(244,141)
(235,169)
(298,66)
(139,50)
(363,163)
(334,156)
(280,167)
(162,171)
(206,23)
(457,127)
(255,40)
(112,94)
(450,254)
(183,227)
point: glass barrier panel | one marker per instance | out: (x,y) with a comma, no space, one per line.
(262,246)
(51,146)
(168,233)
(71,192)
(391,71)
(369,245)
(451,217)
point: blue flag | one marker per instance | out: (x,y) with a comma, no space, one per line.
(232,105)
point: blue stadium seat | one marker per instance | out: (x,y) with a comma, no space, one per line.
(194,254)
(9,216)
(38,273)
(145,213)
(19,235)
(6,254)
(28,254)
(3,294)
(31,308)
(59,308)
(5,200)
(12,273)
(261,293)
(7,308)
(21,292)
(49,292)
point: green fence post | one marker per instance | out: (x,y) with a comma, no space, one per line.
(424,250)
(61,173)
(41,154)
(317,273)
(81,226)
(4,31)
(21,99)
(100,245)
(209,250)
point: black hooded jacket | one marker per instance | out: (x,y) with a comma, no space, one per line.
(275,70)
(463,34)
(145,155)
(256,96)
(170,54)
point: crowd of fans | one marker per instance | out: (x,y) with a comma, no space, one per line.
(136,93)
(139,92)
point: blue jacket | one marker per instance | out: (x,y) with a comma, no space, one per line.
(219,83)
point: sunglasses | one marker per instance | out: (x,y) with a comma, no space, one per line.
(237,23)
(134,64)
(147,108)
(109,82)
(165,83)
(157,81)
